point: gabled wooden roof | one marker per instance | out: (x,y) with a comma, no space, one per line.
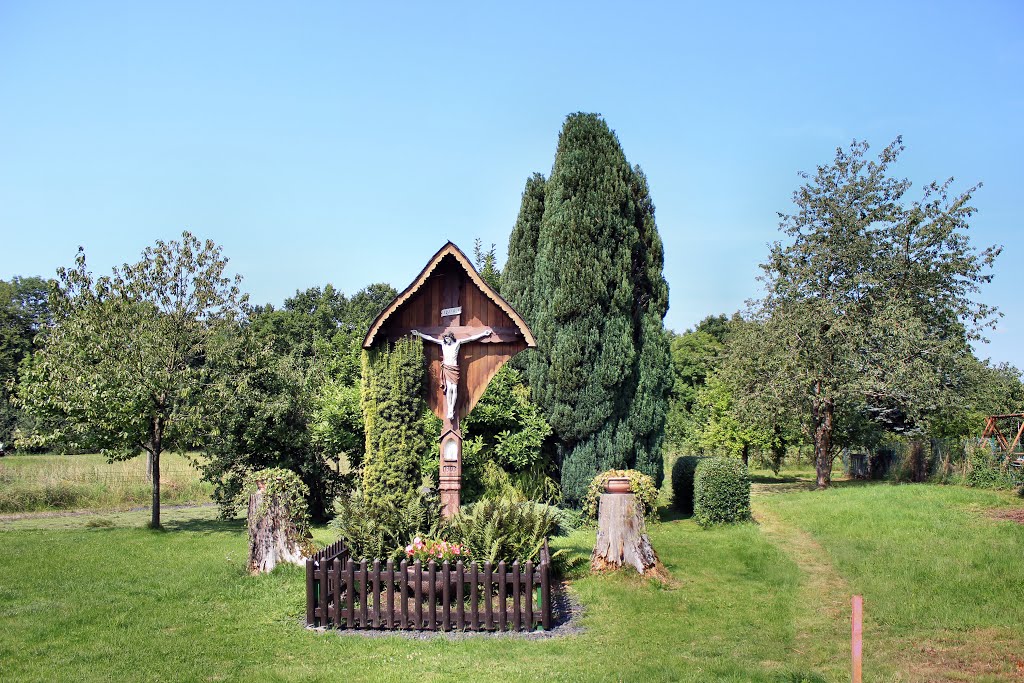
(452,251)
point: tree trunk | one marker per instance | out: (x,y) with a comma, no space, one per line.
(822,415)
(154,521)
(273,537)
(745,454)
(157,439)
(622,535)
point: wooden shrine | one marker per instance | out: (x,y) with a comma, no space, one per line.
(461,319)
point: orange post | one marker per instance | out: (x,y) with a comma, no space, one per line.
(857,639)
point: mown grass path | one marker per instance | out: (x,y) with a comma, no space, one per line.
(823,609)
(942,580)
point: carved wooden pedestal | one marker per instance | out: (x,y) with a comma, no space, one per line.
(451,468)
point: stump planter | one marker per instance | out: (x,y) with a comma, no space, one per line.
(622,535)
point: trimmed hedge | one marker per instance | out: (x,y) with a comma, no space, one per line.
(683,471)
(721,491)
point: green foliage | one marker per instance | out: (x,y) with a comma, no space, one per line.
(504,439)
(721,492)
(495,529)
(644,488)
(517,277)
(393,405)
(293,396)
(695,355)
(283,487)
(487,263)
(595,298)
(510,426)
(684,470)
(718,428)
(23,313)
(869,307)
(985,469)
(126,365)
(381,529)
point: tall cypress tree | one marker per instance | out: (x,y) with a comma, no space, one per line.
(517,278)
(596,303)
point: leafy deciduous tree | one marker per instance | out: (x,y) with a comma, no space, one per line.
(124,367)
(869,308)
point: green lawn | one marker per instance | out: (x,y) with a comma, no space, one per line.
(764,602)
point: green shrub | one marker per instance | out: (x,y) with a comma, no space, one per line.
(683,471)
(495,529)
(985,469)
(721,492)
(644,488)
(383,530)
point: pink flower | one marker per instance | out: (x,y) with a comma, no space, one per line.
(408,549)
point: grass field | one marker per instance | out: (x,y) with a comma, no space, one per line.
(70,482)
(96,597)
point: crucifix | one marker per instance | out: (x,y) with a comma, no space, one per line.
(471,332)
(450,372)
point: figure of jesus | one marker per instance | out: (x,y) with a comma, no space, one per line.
(450,363)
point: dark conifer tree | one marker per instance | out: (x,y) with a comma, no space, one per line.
(517,278)
(596,301)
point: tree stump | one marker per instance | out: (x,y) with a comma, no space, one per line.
(622,535)
(273,537)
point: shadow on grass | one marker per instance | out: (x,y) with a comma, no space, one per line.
(206,526)
(667,513)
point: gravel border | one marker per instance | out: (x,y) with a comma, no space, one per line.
(565,621)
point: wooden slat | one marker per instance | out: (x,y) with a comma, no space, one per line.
(323,594)
(460,608)
(363,615)
(530,622)
(310,594)
(376,594)
(417,594)
(446,597)
(474,599)
(403,584)
(389,607)
(350,583)
(545,588)
(488,609)
(517,591)
(432,596)
(502,596)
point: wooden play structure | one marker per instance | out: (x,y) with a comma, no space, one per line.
(1000,429)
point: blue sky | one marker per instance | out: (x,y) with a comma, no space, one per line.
(345,143)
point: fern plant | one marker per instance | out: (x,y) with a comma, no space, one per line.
(382,531)
(495,529)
